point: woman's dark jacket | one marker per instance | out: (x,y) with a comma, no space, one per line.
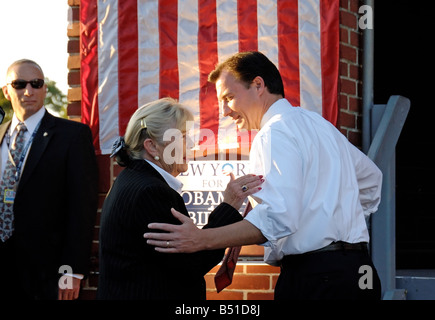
(129,267)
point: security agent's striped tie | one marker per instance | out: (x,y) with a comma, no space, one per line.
(7,184)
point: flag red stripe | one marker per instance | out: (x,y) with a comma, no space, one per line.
(329,28)
(248,26)
(127,62)
(288,52)
(207,59)
(168,26)
(89,67)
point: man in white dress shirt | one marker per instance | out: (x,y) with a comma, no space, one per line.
(319,189)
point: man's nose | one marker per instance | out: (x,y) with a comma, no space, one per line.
(28,90)
(225,109)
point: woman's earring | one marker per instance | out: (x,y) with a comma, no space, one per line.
(156,158)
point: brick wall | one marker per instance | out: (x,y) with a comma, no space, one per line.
(253,279)
(350,72)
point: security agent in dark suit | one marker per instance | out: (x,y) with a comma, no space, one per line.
(55,201)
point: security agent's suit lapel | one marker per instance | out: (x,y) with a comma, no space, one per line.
(3,128)
(40,142)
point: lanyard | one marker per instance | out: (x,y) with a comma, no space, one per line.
(20,164)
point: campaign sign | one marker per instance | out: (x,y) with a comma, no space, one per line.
(204,184)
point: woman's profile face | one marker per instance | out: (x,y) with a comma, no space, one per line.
(176,151)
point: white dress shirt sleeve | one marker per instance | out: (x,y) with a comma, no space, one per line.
(369,179)
(280,200)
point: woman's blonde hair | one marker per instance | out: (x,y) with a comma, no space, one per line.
(151,121)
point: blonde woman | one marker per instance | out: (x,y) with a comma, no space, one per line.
(144,192)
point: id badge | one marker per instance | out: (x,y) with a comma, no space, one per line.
(9,196)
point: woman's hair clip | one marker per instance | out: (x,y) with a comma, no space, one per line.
(118,145)
(119,152)
(143,124)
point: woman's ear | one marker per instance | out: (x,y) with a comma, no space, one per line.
(150,147)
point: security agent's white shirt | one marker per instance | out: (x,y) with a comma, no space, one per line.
(318,186)
(31,124)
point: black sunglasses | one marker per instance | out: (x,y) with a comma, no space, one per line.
(21,84)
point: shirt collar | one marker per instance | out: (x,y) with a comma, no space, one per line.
(173,182)
(277,107)
(31,122)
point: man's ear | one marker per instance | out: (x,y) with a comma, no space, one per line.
(259,84)
(6,92)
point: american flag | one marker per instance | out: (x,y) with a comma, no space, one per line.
(136,51)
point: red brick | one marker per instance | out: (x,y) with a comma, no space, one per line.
(344,69)
(342,102)
(274,280)
(262,269)
(260,296)
(209,281)
(354,5)
(74,108)
(347,120)
(75,13)
(258,282)
(348,86)
(73,46)
(355,38)
(348,19)
(354,104)
(74,77)
(348,53)
(225,295)
(344,35)
(355,72)
(73,3)
(214,269)
(239,269)
(344,4)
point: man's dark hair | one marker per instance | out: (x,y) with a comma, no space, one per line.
(245,66)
